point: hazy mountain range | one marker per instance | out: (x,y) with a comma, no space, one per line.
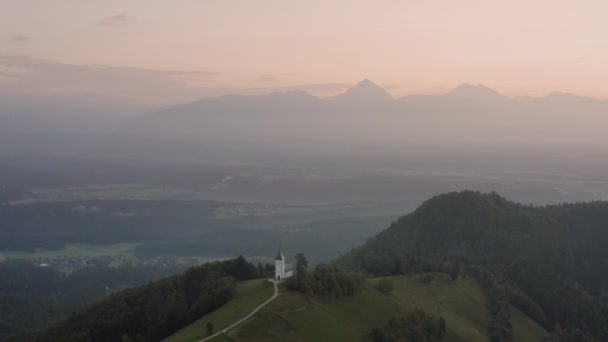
(471,135)
(365,116)
(368,115)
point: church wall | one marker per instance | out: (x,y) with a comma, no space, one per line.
(289,273)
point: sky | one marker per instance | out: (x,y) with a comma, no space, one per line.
(516,47)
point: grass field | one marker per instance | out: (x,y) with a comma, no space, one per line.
(462,304)
(292,317)
(249,294)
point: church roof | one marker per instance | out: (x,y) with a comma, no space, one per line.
(280,256)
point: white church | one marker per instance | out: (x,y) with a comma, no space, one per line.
(281,269)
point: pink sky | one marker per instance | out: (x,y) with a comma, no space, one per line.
(412,46)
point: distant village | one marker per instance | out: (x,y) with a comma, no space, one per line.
(75,262)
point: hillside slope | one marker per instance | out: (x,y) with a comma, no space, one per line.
(153,311)
(249,294)
(493,269)
(294,317)
(544,260)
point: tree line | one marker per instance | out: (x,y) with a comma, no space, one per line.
(545,261)
(154,311)
(31,294)
(325,280)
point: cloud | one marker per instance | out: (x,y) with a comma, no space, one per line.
(192,78)
(11,70)
(115,20)
(29,76)
(322,88)
(19,38)
(27,63)
(267,79)
(35,76)
(274,78)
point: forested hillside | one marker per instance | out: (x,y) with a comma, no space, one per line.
(549,262)
(154,311)
(31,294)
(540,263)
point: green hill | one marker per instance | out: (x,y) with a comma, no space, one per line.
(494,270)
(549,262)
(153,311)
(294,317)
(249,294)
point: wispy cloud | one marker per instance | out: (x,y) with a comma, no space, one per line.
(115,20)
(274,78)
(20,38)
(192,77)
(35,76)
(321,89)
(267,79)
(40,64)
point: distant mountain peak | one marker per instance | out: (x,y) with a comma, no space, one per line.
(365,91)
(479,90)
(365,83)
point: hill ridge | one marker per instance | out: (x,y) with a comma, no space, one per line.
(543,260)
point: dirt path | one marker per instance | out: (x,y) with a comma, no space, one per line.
(275,294)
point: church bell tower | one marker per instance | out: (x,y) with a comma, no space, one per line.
(279,266)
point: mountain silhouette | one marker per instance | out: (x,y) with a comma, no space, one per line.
(479,91)
(367,112)
(365,91)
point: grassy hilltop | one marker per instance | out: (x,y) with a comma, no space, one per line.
(463,267)
(294,317)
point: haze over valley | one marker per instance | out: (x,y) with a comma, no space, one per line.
(309,171)
(235,147)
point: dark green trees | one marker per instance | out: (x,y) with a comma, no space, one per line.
(545,261)
(416,326)
(442,328)
(154,311)
(385,285)
(301,275)
(210,328)
(324,280)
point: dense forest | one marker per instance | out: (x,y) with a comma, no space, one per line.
(30,294)
(154,311)
(324,280)
(549,262)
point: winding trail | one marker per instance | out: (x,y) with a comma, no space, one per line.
(223,331)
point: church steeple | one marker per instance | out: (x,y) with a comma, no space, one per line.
(280,256)
(279,266)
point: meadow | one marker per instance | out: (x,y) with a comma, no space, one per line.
(292,316)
